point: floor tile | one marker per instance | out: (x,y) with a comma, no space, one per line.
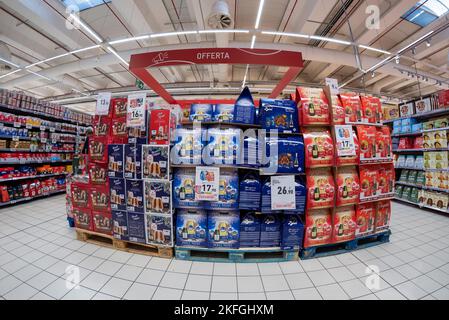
(26,273)
(116,287)
(138,260)
(57,289)
(280,295)
(158,264)
(224,269)
(41,296)
(341,274)
(321,277)
(102,296)
(408,271)
(174,280)
(180,266)
(332,292)
(79,293)
(42,280)
(103,253)
(441,294)
(249,284)
(330,262)
(198,282)
(109,267)
(311,265)
(8,283)
(150,276)
(204,268)
(439,276)
(120,256)
(195,295)
(223,296)
(355,288)
(167,294)
(95,281)
(307,294)
(128,272)
(14,265)
(291,267)
(411,290)
(298,281)
(224,284)
(274,283)
(139,291)
(252,296)
(247,269)
(393,277)
(91,263)
(426,283)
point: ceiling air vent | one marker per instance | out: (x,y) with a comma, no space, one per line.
(220,17)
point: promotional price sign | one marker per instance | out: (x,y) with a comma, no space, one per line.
(283,193)
(136,110)
(103,101)
(207,183)
(333,85)
(345,140)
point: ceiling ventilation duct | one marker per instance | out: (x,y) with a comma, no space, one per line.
(220,17)
(5,54)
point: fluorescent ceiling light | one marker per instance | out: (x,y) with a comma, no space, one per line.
(168,34)
(373,49)
(85,49)
(87,28)
(330,40)
(378,64)
(415,42)
(118,56)
(130,39)
(62,55)
(8,74)
(9,62)
(286,34)
(223,31)
(253,42)
(259,14)
(39,75)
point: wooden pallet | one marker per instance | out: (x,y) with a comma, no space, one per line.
(242,255)
(97,238)
(143,248)
(345,247)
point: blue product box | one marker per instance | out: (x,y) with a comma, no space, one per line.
(292,232)
(250,191)
(408,121)
(223,146)
(396,130)
(223,229)
(191,228)
(120,225)
(157,196)
(188,146)
(300,197)
(397,123)
(228,197)
(417,127)
(250,155)
(184,189)
(284,155)
(201,112)
(134,196)
(136,227)
(155,161)
(279,115)
(406,129)
(159,229)
(249,230)
(115,160)
(133,161)
(223,113)
(139,135)
(270,231)
(244,108)
(117,188)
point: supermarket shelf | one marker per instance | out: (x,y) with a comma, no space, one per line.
(34,177)
(43,140)
(365,124)
(35,162)
(408,150)
(377,198)
(407,201)
(224,124)
(408,184)
(435,189)
(28,151)
(430,114)
(407,168)
(224,166)
(41,128)
(421,205)
(421,150)
(4,204)
(411,134)
(376,161)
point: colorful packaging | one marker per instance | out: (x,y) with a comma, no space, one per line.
(191,228)
(406,109)
(102,222)
(100,198)
(117,189)
(383,216)
(228,193)
(300,197)
(369,176)
(321,188)
(384,148)
(423,106)
(319,148)
(102,126)
(281,115)
(318,228)
(223,113)
(120,225)
(83,218)
(159,229)
(349,160)
(270,231)
(365,216)
(157,197)
(201,112)
(338,111)
(188,146)
(390,112)
(223,146)
(136,227)
(367,140)
(249,192)
(134,196)
(344,224)
(348,186)
(353,108)
(371,109)
(98,174)
(313,106)
(98,150)
(119,130)
(249,230)
(184,189)
(292,232)
(119,107)
(223,229)
(80,195)
(155,162)
(115,163)
(160,127)
(244,108)
(283,155)
(133,162)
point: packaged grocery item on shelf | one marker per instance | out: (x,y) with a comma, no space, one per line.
(244,108)
(443,98)
(120,225)
(406,109)
(157,197)
(159,229)
(135,196)
(136,227)
(321,188)
(319,148)
(102,222)
(352,106)
(368,181)
(441,122)
(188,146)
(83,218)
(429,125)
(102,126)
(367,139)
(117,188)
(133,162)
(228,191)
(349,160)
(270,231)
(292,232)
(222,146)
(423,106)
(98,174)
(249,192)
(223,229)
(418,143)
(286,154)
(384,143)
(313,106)
(371,109)
(223,113)
(390,112)
(184,189)
(421,179)
(119,107)
(249,230)
(386,176)
(81,195)
(383,216)
(318,229)
(116,155)
(98,150)
(337,109)
(281,115)
(348,186)
(300,197)
(436,160)
(119,130)
(160,126)
(417,127)
(365,218)
(100,198)
(201,112)
(155,162)
(191,228)
(344,224)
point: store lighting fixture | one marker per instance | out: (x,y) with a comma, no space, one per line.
(8,74)
(414,50)
(397,59)
(377,65)
(374,49)
(118,56)
(224,31)
(373,74)
(62,55)
(129,39)
(39,75)
(286,34)
(9,62)
(86,27)
(347,43)
(253,42)
(244,78)
(169,34)
(259,14)
(415,42)
(428,42)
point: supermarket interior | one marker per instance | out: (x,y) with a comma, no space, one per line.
(224,150)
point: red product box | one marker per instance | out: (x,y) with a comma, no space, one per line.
(367,140)
(405,143)
(338,111)
(4,195)
(321,188)
(313,106)
(353,109)
(119,107)
(80,195)
(318,228)
(102,126)
(319,148)
(98,174)
(383,216)
(368,181)
(159,127)
(83,218)
(98,150)
(371,110)
(443,98)
(348,186)
(119,131)
(344,224)
(102,222)
(365,217)
(385,144)
(100,197)
(418,143)
(348,160)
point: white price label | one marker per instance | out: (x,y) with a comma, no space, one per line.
(52,129)
(29,126)
(283,196)
(345,140)
(333,85)
(22,161)
(136,110)
(103,102)
(17,124)
(44,140)
(43,128)
(207,183)
(15,138)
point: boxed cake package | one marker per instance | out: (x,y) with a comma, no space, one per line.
(159,229)
(348,186)
(160,126)
(337,109)
(98,150)
(383,216)
(117,189)
(369,180)
(133,162)
(184,189)
(98,174)
(406,109)
(83,218)
(81,195)
(223,113)
(223,229)
(353,107)
(155,162)
(100,198)
(222,146)
(138,135)
(371,109)
(157,196)
(390,112)
(191,228)
(384,143)
(102,126)
(136,227)
(249,230)
(283,155)
(423,106)
(281,115)
(292,232)
(119,131)
(228,193)
(365,216)
(313,106)
(188,146)
(244,108)
(134,196)
(119,107)
(249,192)
(116,160)
(270,231)
(367,140)
(201,112)
(318,228)
(321,188)
(102,222)
(319,148)
(120,225)
(344,224)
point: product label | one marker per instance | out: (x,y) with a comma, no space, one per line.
(207,180)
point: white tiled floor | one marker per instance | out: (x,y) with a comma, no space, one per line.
(37,247)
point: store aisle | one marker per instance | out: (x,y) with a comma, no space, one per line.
(36,247)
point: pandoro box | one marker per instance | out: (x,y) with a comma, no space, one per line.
(133,162)
(135,196)
(136,227)
(116,160)
(120,225)
(98,174)
(191,228)
(83,218)
(117,188)
(155,162)
(159,229)
(102,222)
(318,228)
(158,197)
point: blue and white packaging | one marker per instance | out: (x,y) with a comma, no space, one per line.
(406,129)
(251,153)
(115,160)
(292,232)
(222,147)
(134,196)
(223,113)
(223,229)
(159,229)
(417,127)
(191,228)
(270,231)
(249,230)
(118,194)
(201,112)
(133,161)
(397,123)
(284,155)
(228,194)
(136,227)
(188,146)
(408,121)
(244,108)
(279,115)
(396,130)
(250,192)
(184,189)
(120,225)
(157,197)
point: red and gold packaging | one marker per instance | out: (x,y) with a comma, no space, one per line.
(321,188)
(352,106)
(119,131)
(405,143)
(344,224)
(418,143)
(119,107)
(368,181)
(383,215)
(102,222)
(348,186)
(98,174)
(367,140)
(319,148)
(83,218)
(100,198)
(160,127)
(102,126)
(338,112)
(313,106)
(318,228)
(384,148)
(98,150)
(365,218)
(349,160)
(371,110)
(80,194)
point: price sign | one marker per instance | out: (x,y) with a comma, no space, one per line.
(43,128)
(207,183)
(52,129)
(345,140)
(103,101)
(136,110)
(44,140)
(17,124)
(333,85)
(29,126)
(283,196)
(23,161)
(15,138)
